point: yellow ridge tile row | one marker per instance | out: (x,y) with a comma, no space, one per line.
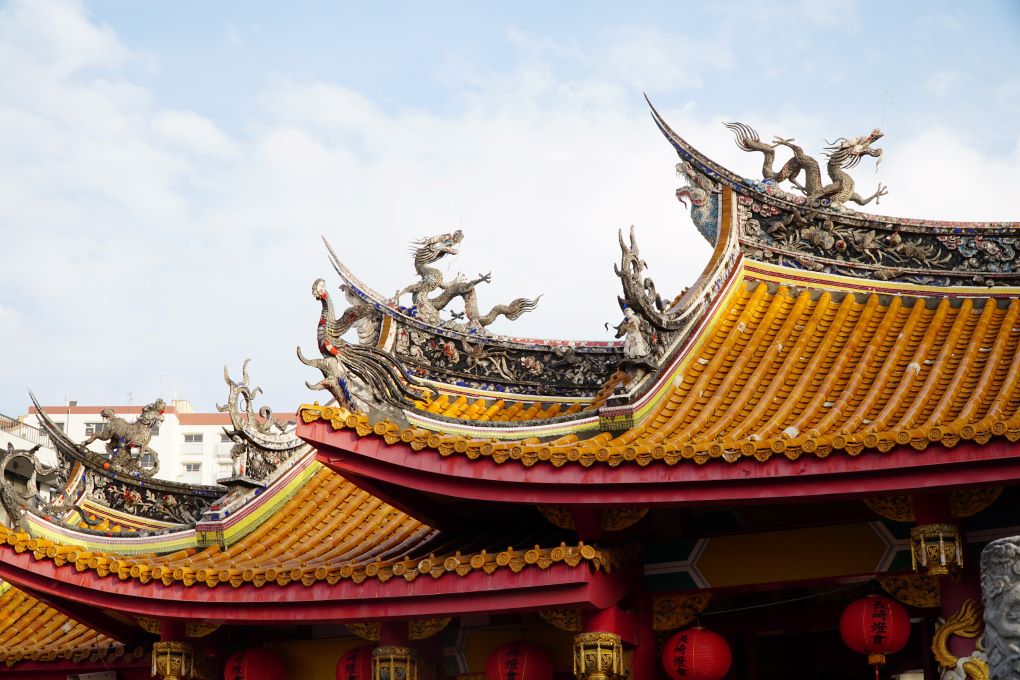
(497,410)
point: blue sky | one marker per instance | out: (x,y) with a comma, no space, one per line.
(921,61)
(166,169)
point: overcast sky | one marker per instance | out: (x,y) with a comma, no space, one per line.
(166,168)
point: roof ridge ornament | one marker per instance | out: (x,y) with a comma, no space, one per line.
(357,375)
(429,250)
(15,501)
(128,443)
(262,444)
(115,479)
(842,154)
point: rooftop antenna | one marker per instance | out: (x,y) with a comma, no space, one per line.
(131,398)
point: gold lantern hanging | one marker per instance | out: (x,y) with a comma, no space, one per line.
(935,548)
(598,656)
(391,662)
(172,660)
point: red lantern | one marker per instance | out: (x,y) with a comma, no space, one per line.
(356,664)
(518,661)
(254,664)
(697,654)
(875,626)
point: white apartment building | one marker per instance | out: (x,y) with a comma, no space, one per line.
(192,447)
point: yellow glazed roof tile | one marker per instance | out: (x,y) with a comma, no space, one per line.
(479,409)
(794,371)
(33,631)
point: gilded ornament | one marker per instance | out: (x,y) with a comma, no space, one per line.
(935,548)
(896,508)
(598,656)
(969,502)
(674,611)
(197,629)
(564,619)
(394,663)
(617,519)
(967,622)
(915,590)
(558,515)
(149,625)
(421,629)
(365,631)
(172,660)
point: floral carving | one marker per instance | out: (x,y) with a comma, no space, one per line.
(675,611)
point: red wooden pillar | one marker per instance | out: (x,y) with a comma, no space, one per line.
(626,625)
(644,664)
(171,630)
(935,508)
(393,633)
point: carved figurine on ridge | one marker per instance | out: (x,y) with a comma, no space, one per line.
(842,154)
(430,250)
(126,442)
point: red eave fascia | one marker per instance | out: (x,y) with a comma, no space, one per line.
(902,469)
(477,592)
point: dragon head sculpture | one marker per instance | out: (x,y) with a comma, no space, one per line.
(849,152)
(436,247)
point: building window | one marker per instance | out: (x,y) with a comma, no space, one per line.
(148,461)
(224,438)
(193,439)
(155,429)
(60,425)
(94,428)
(193,472)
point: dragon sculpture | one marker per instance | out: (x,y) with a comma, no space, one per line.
(126,442)
(16,498)
(967,623)
(262,444)
(842,154)
(428,251)
(372,369)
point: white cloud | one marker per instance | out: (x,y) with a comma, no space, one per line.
(142,242)
(59,34)
(845,14)
(192,133)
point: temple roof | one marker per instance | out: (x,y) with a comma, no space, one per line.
(797,366)
(329,531)
(813,328)
(31,630)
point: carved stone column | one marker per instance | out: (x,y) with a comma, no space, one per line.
(1000,591)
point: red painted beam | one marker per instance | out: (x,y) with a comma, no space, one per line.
(839,475)
(532,588)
